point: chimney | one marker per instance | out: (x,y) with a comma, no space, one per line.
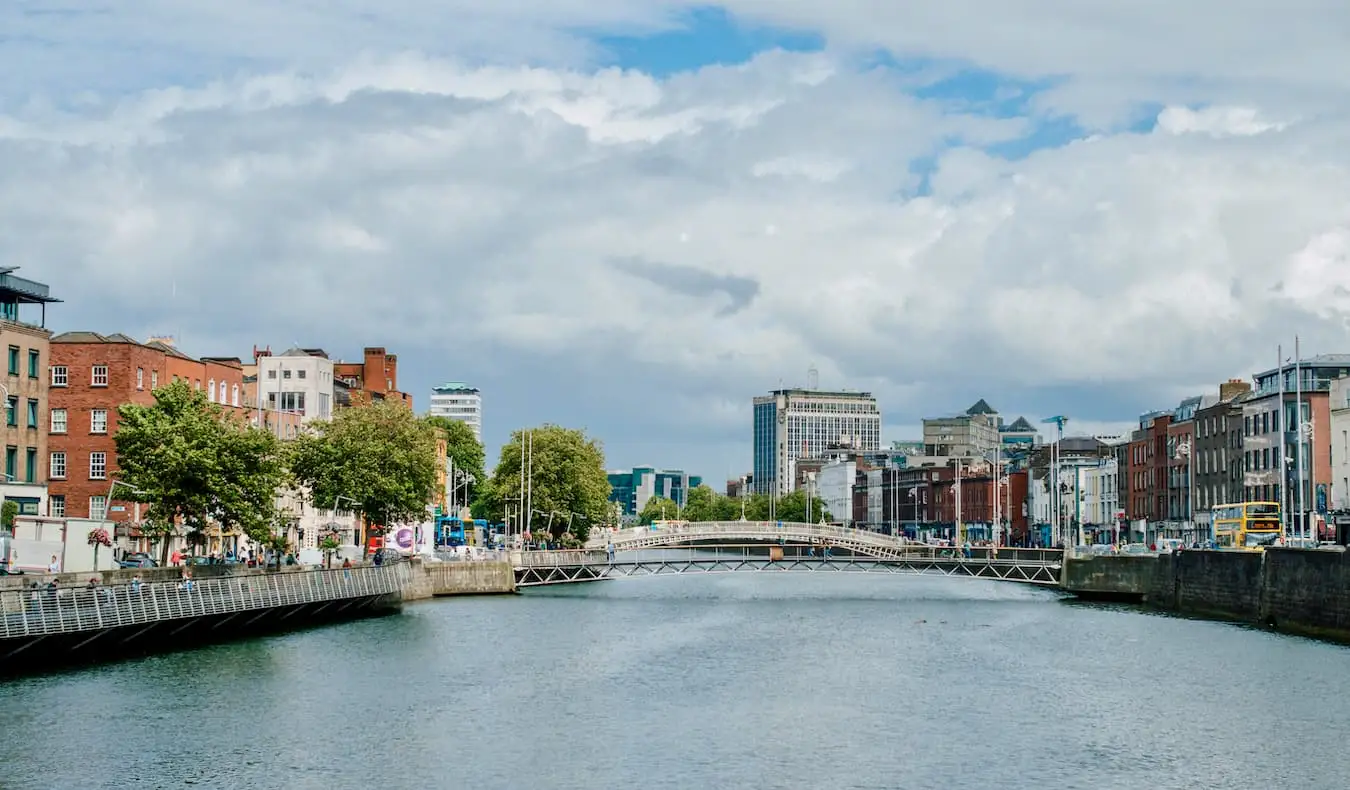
(1233,388)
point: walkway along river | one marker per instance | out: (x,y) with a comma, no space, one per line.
(754,680)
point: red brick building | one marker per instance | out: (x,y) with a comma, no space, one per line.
(1148,469)
(90,376)
(374,378)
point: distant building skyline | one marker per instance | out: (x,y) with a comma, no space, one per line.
(461,402)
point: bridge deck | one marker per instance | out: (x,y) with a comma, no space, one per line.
(535,569)
(25,614)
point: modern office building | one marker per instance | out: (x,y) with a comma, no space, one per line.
(803,423)
(631,489)
(459,401)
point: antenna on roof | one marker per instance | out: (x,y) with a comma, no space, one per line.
(812,377)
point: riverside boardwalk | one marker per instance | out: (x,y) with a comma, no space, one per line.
(45,626)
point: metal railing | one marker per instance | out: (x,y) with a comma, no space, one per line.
(44,610)
(747,530)
(1050,558)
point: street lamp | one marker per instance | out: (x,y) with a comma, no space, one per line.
(1184,451)
(339,499)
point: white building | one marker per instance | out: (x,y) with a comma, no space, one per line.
(834,487)
(298,381)
(805,423)
(1339,404)
(457,401)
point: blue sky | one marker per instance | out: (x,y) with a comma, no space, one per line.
(894,193)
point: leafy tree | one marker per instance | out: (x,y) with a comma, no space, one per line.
(567,479)
(792,507)
(464,450)
(194,464)
(660,509)
(380,458)
(8,512)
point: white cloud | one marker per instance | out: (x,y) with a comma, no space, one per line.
(660,250)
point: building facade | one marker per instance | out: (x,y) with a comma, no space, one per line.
(803,423)
(460,402)
(1339,408)
(375,377)
(973,434)
(90,375)
(26,390)
(296,382)
(631,489)
(1218,449)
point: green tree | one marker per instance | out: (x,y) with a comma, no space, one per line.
(195,465)
(464,451)
(567,480)
(379,458)
(792,507)
(658,508)
(8,512)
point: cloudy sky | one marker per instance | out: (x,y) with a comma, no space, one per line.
(633,215)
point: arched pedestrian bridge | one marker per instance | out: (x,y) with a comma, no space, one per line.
(773,547)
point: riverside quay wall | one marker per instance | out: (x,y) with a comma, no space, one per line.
(459,577)
(1304,591)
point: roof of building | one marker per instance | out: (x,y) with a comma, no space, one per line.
(1319,361)
(454,386)
(21,290)
(981,407)
(167,349)
(1020,424)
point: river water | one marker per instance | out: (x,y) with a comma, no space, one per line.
(829,681)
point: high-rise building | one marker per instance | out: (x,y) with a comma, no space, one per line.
(459,401)
(803,423)
(632,489)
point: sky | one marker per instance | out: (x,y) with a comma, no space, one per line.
(632,216)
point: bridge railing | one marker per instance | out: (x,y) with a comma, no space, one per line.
(42,611)
(913,551)
(703,529)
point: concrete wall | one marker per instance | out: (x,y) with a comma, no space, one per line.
(1296,590)
(432,579)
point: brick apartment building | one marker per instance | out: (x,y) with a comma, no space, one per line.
(374,378)
(90,375)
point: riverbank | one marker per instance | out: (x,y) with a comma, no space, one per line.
(466,577)
(1296,591)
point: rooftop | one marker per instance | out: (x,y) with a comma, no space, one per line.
(20,290)
(1319,361)
(454,386)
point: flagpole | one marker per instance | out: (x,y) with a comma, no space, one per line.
(1305,524)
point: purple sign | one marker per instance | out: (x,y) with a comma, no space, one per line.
(403,538)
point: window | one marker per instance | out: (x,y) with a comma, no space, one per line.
(56,506)
(292,401)
(211,390)
(98,420)
(34,358)
(98,466)
(299,374)
(98,508)
(285,374)
(140,378)
(11,463)
(197,385)
(32,413)
(98,376)
(30,465)
(271,374)
(59,375)
(56,466)
(11,407)
(154,379)
(58,421)
(13,360)
(234,395)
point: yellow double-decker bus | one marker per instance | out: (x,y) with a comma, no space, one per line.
(1251,525)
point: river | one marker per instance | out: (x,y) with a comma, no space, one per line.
(829,681)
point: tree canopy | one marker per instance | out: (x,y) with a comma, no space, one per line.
(704,504)
(464,451)
(567,480)
(379,458)
(194,464)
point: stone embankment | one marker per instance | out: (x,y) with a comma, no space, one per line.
(459,577)
(1303,591)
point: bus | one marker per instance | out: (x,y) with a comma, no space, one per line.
(1249,526)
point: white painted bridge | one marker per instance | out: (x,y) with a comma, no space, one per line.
(688,533)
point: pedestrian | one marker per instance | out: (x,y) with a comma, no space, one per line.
(54,566)
(347,567)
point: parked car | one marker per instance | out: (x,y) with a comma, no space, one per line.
(137,559)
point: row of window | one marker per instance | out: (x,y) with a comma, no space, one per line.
(57,466)
(225,394)
(34,361)
(98,421)
(98,506)
(12,412)
(12,465)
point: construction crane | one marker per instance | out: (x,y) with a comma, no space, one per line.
(1053,484)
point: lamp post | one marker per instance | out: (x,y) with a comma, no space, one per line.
(337,505)
(1184,451)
